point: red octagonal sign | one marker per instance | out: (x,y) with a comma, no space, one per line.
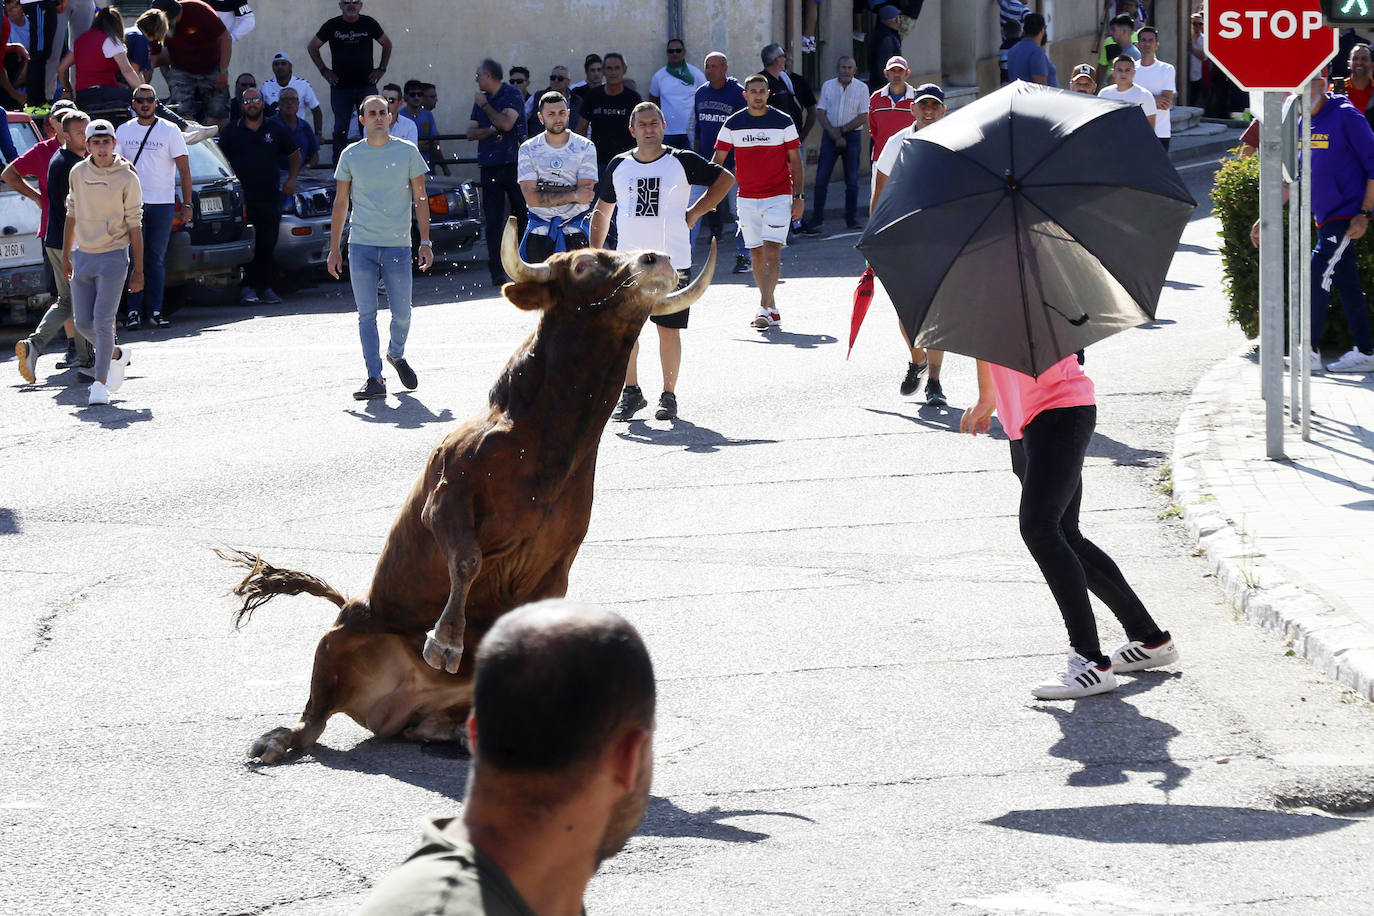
(1274,45)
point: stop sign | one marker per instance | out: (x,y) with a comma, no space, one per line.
(1272,45)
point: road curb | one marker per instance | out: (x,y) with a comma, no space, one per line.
(1256,587)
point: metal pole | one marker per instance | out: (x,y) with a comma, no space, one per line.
(1295,354)
(1305,341)
(1271,272)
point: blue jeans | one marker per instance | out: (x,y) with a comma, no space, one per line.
(344,103)
(157,230)
(366,264)
(825,167)
(1345,280)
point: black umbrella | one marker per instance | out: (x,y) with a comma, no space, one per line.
(1027,225)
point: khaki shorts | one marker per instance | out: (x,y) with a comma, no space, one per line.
(765,219)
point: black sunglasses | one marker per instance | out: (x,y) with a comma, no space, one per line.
(145,99)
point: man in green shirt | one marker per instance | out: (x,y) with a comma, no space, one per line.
(561,732)
(385,180)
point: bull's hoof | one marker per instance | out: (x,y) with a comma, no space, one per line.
(271,747)
(444,658)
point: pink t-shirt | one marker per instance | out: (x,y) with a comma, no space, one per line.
(1021,398)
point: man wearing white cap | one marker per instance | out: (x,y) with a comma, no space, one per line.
(284,78)
(102,245)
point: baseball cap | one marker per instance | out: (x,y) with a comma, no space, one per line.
(171,7)
(888,12)
(281,55)
(1082,71)
(897,60)
(100,128)
(929,91)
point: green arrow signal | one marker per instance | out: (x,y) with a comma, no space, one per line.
(1349,5)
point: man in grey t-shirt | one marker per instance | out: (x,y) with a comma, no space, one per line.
(557,174)
(385,179)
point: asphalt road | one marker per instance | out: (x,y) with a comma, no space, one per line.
(842,615)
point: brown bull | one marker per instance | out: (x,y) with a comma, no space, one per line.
(497,516)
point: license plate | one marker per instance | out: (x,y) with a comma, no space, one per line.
(210,205)
(11,251)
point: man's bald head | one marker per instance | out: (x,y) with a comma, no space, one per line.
(554,684)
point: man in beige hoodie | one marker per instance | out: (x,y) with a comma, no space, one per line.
(104,225)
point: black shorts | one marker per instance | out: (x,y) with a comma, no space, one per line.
(538,248)
(676,320)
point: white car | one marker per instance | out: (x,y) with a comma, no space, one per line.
(24,286)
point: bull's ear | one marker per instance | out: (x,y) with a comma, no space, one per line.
(532,297)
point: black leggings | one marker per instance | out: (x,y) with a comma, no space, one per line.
(1049,463)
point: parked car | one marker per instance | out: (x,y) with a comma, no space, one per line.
(218,241)
(455,220)
(24,278)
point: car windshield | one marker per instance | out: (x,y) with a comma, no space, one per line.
(207,162)
(22,135)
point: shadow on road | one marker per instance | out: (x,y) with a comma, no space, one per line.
(409,413)
(9,522)
(943,418)
(1174,825)
(800,341)
(684,434)
(665,819)
(1122,455)
(1111,738)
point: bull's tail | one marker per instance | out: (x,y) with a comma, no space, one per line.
(264,582)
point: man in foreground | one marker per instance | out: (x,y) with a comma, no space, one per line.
(385,180)
(561,733)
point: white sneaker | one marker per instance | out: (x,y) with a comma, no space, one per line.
(1136,656)
(1354,361)
(1080,678)
(1314,363)
(115,377)
(767,318)
(194,133)
(99,394)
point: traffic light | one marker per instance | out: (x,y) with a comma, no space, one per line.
(1349,12)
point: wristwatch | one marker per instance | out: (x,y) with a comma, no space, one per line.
(426,243)
(799,197)
(1366,213)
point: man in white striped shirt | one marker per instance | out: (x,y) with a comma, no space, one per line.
(842,111)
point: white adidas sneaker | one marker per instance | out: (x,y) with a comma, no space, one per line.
(1136,656)
(1080,678)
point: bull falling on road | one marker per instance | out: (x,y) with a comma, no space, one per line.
(497,516)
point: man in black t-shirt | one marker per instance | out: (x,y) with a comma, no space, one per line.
(352,76)
(606,110)
(253,145)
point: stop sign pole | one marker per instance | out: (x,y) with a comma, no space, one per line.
(1275,47)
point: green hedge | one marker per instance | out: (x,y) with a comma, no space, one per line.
(1235,198)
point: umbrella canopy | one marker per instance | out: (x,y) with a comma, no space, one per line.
(1027,225)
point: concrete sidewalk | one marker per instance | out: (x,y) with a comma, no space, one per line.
(1291,540)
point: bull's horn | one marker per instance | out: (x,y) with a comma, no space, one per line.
(515,266)
(681,299)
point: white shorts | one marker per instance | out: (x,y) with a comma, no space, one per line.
(765,219)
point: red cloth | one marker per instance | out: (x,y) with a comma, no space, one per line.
(93,68)
(886,117)
(863,298)
(1359,97)
(194,42)
(35,162)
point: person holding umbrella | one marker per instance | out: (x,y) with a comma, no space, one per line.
(1050,421)
(1023,263)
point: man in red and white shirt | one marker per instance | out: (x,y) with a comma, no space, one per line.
(768,168)
(890,108)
